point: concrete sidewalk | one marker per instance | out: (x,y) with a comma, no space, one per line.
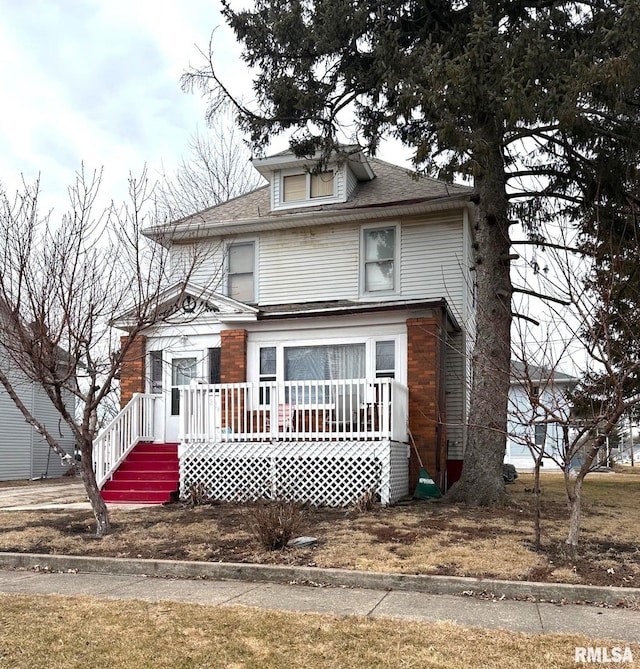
(332,591)
(519,616)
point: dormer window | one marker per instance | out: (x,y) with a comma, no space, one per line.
(299,187)
(296,182)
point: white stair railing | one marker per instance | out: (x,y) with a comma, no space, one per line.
(133,424)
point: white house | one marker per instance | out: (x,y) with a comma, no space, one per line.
(329,320)
(529,426)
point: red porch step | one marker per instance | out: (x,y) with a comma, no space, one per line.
(149,475)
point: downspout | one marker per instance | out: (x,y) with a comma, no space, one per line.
(441,425)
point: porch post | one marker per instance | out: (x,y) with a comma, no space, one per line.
(233,369)
(132,368)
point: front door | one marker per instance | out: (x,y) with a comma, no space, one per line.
(183,369)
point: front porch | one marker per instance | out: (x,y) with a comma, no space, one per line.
(319,442)
(337,410)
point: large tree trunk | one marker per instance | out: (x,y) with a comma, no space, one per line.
(100,512)
(481,483)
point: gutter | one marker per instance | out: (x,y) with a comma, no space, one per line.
(166,233)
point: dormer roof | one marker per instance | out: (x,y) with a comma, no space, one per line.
(351,155)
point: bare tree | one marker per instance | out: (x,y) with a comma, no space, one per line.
(62,282)
(217,169)
(589,330)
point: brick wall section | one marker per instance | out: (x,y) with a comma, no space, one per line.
(426,397)
(233,369)
(132,368)
(233,356)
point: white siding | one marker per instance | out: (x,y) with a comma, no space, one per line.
(204,261)
(432,260)
(521,419)
(351,180)
(308,265)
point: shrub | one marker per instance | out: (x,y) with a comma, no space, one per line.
(197,494)
(274,523)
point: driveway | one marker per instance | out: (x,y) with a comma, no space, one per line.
(43,495)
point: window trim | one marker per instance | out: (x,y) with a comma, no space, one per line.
(253,353)
(156,364)
(363,261)
(278,194)
(242,242)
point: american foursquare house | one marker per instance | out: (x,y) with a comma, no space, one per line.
(320,350)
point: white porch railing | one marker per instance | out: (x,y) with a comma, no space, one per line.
(337,410)
(132,425)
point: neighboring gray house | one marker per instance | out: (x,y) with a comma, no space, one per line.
(24,454)
(526,420)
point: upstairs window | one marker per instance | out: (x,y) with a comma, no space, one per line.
(379,260)
(298,187)
(321,185)
(241,278)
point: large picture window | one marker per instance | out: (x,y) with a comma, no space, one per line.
(379,259)
(340,361)
(322,363)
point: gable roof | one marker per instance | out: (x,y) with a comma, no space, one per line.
(180,303)
(394,190)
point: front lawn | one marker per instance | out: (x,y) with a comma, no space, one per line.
(422,537)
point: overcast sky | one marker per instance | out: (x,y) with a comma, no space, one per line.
(98,81)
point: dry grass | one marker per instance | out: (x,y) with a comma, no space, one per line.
(424,537)
(53,632)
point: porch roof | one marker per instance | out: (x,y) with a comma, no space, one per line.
(341,307)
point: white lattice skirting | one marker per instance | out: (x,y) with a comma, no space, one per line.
(329,473)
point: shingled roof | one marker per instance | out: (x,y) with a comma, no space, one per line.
(392,185)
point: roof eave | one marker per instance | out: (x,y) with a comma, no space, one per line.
(299,219)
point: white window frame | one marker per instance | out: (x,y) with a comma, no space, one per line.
(396,260)
(307,201)
(227,284)
(370,353)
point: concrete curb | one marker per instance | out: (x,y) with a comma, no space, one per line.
(437,585)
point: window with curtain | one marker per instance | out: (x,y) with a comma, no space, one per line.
(267,371)
(379,250)
(339,361)
(304,186)
(323,363)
